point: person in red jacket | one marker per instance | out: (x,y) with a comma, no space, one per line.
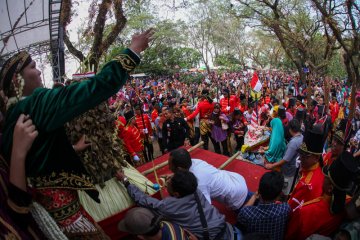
(144,125)
(205,108)
(155,112)
(334,109)
(323,215)
(186,111)
(311,179)
(133,141)
(227,103)
(337,147)
(243,103)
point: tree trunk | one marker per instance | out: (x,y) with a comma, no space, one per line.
(308,92)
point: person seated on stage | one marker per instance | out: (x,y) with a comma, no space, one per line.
(324,215)
(288,161)
(266,217)
(276,149)
(142,223)
(337,147)
(309,185)
(223,186)
(186,206)
(175,130)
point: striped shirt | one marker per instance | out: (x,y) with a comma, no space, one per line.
(172,231)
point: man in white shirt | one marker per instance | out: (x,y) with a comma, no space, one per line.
(224,186)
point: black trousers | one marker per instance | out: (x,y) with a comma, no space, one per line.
(217,146)
(148,151)
(239,142)
(161,145)
(195,139)
(205,139)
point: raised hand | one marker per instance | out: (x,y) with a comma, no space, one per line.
(140,42)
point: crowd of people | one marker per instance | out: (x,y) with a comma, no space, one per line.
(311,190)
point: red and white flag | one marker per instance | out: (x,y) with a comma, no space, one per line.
(254,120)
(255,83)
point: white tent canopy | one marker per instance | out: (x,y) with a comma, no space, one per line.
(31,25)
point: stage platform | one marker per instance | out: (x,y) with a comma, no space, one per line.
(251,172)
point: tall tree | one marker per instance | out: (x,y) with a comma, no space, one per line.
(101,39)
(343,18)
(296,28)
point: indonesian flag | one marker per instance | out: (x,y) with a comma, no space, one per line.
(255,83)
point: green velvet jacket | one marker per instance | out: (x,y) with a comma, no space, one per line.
(51,161)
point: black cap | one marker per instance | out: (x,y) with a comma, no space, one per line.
(314,103)
(292,102)
(313,141)
(205,92)
(242,97)
(342,125)
(300,114)
(342,173)
(282,112)
(237,111)
(128,116)
(339,136)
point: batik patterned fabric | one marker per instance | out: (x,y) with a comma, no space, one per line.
(64,206)
(205,127)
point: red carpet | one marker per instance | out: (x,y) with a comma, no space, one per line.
(252,173)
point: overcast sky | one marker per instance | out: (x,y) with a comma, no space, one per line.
(71,64)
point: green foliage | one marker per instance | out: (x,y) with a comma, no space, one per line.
(226,60)
(336,68)
(191,77)
(165,60)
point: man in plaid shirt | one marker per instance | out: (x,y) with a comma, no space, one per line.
(267,217)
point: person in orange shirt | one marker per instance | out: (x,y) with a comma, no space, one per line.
(323,215)
(337,147)
(205,108)
(309,186)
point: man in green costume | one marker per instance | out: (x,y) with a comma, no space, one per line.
(55,171)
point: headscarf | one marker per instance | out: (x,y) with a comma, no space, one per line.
(277,144)
(12,66)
